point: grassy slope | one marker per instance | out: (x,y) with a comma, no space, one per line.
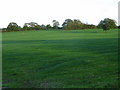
(66,59)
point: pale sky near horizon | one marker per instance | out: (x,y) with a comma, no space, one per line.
(45,11)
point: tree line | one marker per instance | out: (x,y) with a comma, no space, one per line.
(68,24)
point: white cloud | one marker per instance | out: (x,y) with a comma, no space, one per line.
(44,11)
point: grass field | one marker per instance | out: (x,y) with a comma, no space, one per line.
(60,59)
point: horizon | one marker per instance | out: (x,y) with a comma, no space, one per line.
(25,11)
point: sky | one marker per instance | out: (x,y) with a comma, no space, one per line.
(45,11)
(119,13)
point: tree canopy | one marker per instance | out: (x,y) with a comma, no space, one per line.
(55,24)
(13,27)
(107,24)
(31,26)
(76,24)
(68,24)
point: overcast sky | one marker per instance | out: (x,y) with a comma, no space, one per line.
(45,11)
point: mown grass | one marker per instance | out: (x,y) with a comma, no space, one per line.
(60,59)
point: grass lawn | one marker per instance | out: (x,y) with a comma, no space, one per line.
(60,59)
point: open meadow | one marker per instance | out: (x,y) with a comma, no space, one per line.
(60,59)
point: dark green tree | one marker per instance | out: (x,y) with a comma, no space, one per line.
(119,27)
(107,24)
(77,24)
(26,26)
(48,26)
(68,24)
(34,26)
(100,25)
(13,27)
(43,27)
(55,24)
(31,26)
(89,26)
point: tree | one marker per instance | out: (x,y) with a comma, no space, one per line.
(13,27)
(89,26)
(107,24)
(55,24)
(31,26)
(119,27)
(100,25)
(4,29)
(48,26)
(43,27)
(26,27)
(68,24)
(75,24)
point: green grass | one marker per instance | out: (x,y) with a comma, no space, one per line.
(60,59)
